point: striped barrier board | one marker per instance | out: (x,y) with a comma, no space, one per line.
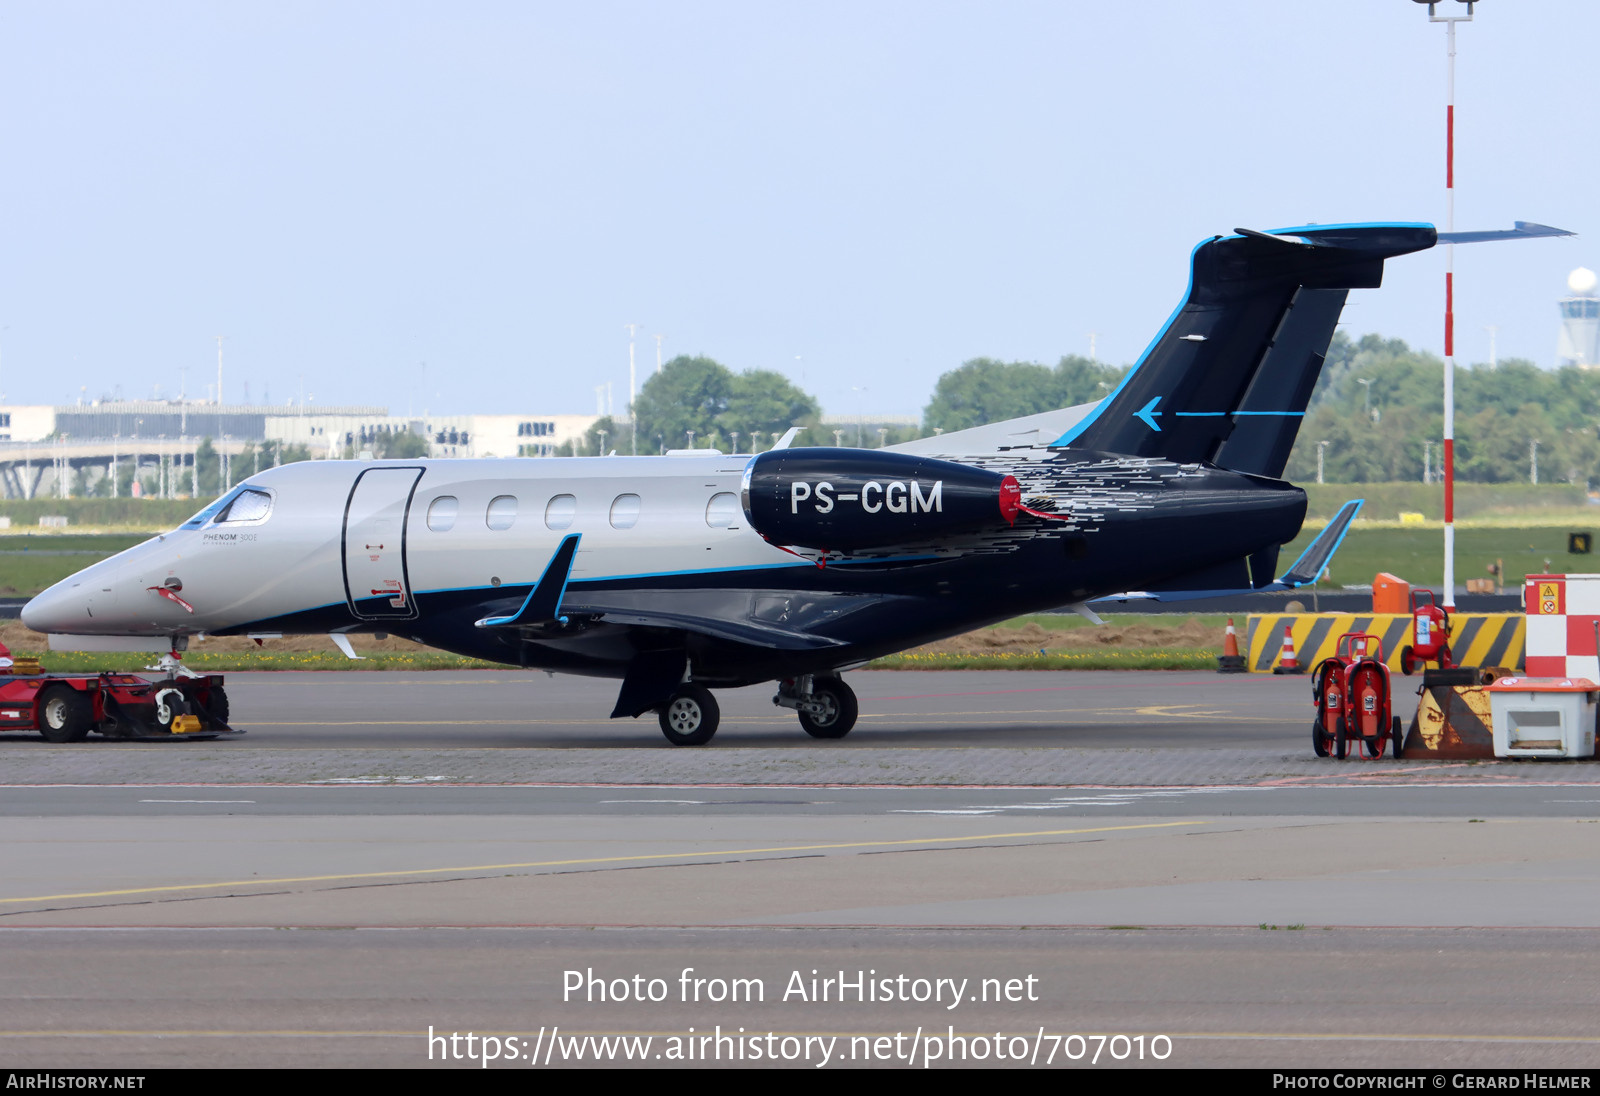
(1476,639)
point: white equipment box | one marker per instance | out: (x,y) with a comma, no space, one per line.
(1543,716)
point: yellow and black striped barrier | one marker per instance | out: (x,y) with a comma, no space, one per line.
(1476,639)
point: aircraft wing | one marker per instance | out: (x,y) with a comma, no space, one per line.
(1302,572)
(1040,429)
(754,633)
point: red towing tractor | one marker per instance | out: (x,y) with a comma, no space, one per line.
(1354,702)
(66,707)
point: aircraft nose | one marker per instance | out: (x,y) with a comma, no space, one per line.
(61,608)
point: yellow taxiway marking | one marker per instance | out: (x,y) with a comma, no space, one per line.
(588,860)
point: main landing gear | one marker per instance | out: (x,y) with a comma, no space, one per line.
(825,704)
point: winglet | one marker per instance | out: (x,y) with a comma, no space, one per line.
(1317,554)
(543,604)
(788,437)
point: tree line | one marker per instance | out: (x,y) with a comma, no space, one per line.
(1375,416)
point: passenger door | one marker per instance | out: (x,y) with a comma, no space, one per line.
(376,584)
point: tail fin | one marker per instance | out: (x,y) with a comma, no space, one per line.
(1228,379)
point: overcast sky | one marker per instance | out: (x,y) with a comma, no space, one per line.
(861,195)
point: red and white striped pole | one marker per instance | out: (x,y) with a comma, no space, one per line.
(1450,324)
(1449,22)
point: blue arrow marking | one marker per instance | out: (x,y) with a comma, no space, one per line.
(1148,413)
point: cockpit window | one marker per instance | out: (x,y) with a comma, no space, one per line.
(206,514)
(247,505)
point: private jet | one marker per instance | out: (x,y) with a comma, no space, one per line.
(699,570)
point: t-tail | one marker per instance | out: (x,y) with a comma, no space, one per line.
(1228,378)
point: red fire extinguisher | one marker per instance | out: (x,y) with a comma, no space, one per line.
(1430,634)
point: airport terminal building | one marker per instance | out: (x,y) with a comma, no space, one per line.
(43,445)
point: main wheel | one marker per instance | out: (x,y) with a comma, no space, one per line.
(1319,737)
(1340,747)
(839,709)
(690,717)
(65,715)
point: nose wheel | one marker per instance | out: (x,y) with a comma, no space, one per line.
(690,717)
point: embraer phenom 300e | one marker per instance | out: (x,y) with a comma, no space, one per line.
(694,571)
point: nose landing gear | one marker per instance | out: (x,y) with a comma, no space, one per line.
(690,717)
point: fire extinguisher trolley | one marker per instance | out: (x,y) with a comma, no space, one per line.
(1354,701)
(1430,634)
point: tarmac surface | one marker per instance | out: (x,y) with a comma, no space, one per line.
(1013,859)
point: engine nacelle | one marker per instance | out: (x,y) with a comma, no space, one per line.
(847,499)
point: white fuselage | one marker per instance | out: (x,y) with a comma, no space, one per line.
(323,544)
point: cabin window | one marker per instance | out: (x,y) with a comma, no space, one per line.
(625,512)
(442,513)
(246,506)
(723,510)
(559,512)
(502,511)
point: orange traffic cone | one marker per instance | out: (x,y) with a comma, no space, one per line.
(1287,662)
(1229,661)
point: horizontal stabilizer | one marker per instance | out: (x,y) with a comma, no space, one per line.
(1524,230)
(543,604)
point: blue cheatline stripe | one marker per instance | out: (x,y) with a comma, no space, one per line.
(1352,224)
(1076,430)
(1221,414)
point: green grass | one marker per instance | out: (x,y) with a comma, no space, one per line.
(151,515)
(30,561)
(1416,553)
(1474,501)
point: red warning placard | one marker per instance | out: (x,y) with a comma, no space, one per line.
(1546,595)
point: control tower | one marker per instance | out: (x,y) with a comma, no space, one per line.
(1580,322)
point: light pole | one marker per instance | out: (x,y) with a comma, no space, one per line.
(1366,398)
(632,389)
(1449,22)
(1321,445)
